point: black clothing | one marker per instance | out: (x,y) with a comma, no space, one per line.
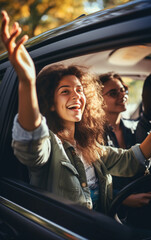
(143,129)
(128,128)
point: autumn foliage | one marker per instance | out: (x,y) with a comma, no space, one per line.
(37,16)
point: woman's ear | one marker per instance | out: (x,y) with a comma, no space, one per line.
(52,108)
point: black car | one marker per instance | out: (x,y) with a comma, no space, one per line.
(117,39)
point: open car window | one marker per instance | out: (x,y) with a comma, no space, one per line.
(111,41)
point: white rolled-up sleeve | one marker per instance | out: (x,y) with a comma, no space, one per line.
(22,135)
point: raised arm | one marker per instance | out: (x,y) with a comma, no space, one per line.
(29,116)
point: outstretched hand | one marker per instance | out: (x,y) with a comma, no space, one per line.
(28,109)
(18,55)
(138,200)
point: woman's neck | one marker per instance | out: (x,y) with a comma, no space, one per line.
(114,120)
(68,134)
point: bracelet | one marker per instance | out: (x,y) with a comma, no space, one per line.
(147,166)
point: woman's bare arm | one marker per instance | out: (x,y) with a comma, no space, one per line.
(29,116)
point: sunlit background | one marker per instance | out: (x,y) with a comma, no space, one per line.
(38,16)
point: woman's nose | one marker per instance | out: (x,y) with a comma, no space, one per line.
(122,94)
(75,95)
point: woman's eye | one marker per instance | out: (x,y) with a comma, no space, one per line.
(65,92)
(80,90)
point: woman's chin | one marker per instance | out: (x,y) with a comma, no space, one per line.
(78,119)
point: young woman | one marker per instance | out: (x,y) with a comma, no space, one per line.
(119,132)
(69,159)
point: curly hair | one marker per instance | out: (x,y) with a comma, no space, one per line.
(89,131)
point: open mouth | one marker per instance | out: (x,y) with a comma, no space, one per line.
(74,107)
(123,100)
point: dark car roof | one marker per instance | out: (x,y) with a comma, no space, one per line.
(89,22)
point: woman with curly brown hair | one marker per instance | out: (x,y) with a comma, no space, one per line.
(66,155)
(90,127)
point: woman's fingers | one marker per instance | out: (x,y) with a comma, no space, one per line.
(22,53)
(138,200)
(18,55)
(9,39)
(20,42)
(5,29)
(147,196)
(14,27)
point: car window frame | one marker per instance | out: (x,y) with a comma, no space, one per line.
(60,50)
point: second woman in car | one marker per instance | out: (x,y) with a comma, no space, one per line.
(119,132)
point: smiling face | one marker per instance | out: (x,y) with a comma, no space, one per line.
(69,100)
(115,96)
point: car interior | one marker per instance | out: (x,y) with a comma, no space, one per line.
(133,63)
(116,39)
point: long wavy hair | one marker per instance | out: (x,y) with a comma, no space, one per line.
(89,131)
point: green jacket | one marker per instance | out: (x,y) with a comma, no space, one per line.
(55,167)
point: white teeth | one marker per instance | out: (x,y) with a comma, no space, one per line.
(74,106)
